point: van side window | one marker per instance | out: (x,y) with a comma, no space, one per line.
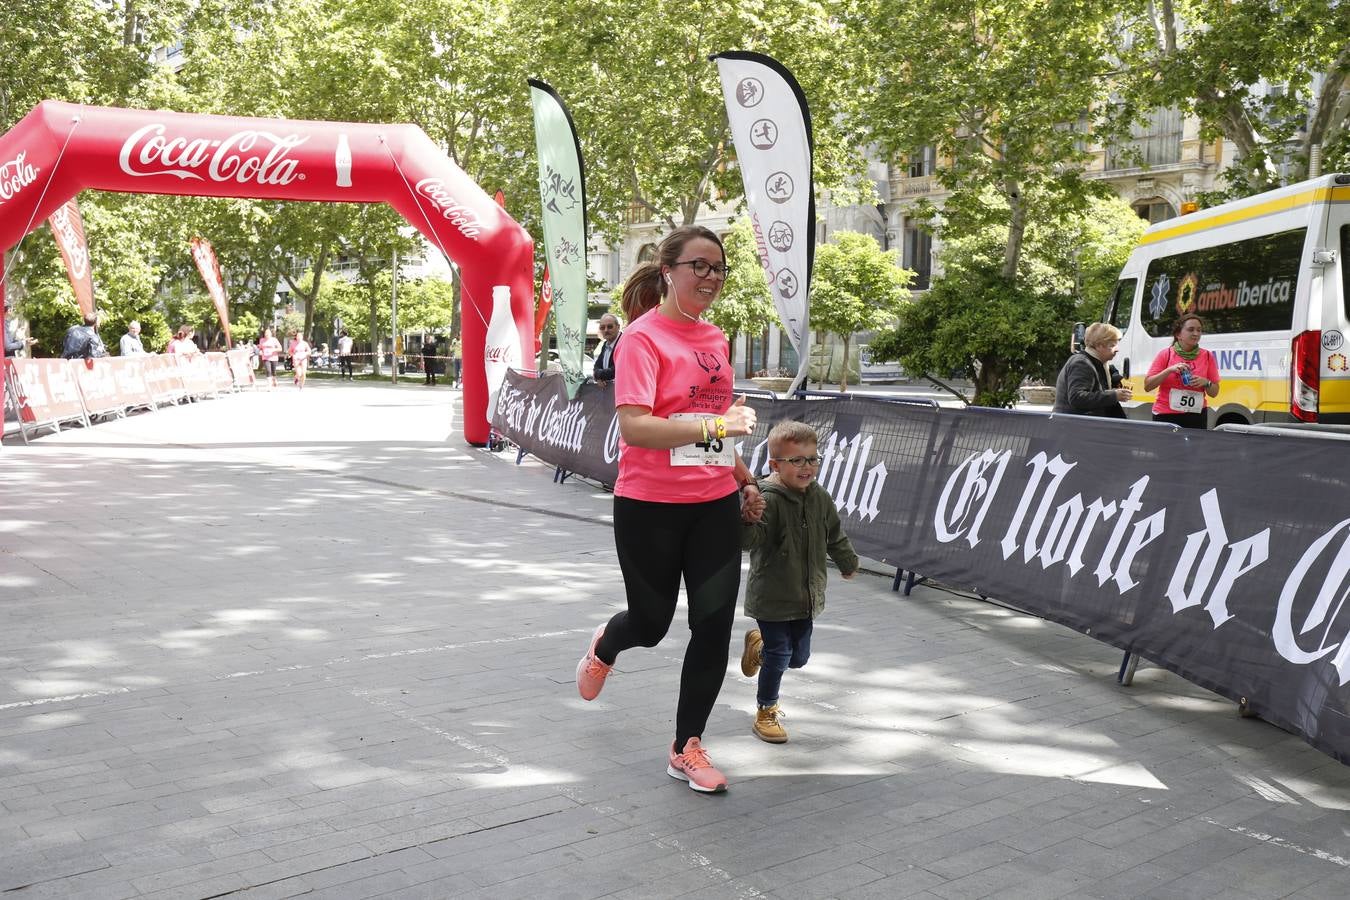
(1243,286)
(1345,268)
(1117,311)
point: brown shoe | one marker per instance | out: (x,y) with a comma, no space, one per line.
(768,727)
(750,656)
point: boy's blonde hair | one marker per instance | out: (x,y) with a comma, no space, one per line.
(791,431)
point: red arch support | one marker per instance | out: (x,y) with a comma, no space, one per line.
(60,149)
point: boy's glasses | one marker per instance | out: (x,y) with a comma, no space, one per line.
(800,462)
(702,268)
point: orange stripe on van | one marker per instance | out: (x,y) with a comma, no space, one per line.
(1268,208)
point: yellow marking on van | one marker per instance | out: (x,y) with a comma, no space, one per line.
(1270,207)
(1262,394)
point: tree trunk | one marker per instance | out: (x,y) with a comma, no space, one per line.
(311,296)
(374,329)
(843,372)
(1017,227)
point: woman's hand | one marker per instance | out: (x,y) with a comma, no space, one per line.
(740,418)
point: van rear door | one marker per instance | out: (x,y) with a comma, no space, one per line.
(1334,271)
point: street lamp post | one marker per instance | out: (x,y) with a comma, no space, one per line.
(393,321)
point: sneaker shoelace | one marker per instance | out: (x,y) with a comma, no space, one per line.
(595,667)
(696,758)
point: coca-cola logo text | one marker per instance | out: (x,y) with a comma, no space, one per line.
(16,175)
(462,217)
(253,156)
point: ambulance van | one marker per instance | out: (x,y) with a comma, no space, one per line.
(1269,276)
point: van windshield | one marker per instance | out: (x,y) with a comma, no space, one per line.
(1243,286)
(1118,307)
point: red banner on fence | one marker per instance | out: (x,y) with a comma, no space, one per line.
(241,367)
(129,371)
(98,386)
(45,390)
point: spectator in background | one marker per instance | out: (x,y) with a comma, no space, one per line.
(344,348)
(14,343)
(82,341)
(182,343)
(130,343)
(429,359)
(1084,386)
(610,332)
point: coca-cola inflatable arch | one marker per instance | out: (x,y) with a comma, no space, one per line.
(60,149)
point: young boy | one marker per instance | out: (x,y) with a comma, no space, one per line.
(787,548)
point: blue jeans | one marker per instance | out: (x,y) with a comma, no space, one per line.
(787,645)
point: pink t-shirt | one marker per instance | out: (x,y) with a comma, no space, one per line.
(299,351)
(672,367)
(1203,365)
(269,349)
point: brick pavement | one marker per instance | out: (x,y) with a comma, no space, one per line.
(310,644)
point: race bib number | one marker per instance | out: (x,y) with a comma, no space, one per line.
(1186,401)
(714,453)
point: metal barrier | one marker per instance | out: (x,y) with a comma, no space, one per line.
(804,394)
(1292,429)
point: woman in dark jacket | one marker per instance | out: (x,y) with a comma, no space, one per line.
(1084,384)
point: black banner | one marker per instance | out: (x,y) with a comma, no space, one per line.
(1222,557)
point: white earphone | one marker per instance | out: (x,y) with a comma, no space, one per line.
(670,281)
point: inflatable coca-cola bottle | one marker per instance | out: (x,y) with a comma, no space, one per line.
(501,349)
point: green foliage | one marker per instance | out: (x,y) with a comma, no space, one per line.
(999,332)
(423,305)
(1215,59)
(744,306)
(856,286)
(1002,92)
(648,104)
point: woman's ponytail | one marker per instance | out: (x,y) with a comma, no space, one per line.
(642,291)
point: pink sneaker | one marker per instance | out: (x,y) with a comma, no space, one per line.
(591,672)
(694,767)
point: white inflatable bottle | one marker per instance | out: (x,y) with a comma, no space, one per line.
(501,349)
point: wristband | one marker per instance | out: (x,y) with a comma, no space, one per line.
(703,424)
(721,427)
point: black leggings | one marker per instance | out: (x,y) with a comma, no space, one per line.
(1185,420)
(345,366)
(658,543)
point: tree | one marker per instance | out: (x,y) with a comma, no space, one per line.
(83,51)
(1010,95)
(1215,59)
(855,286)
(744,306)
(648,104)
(424,304)
(999,332)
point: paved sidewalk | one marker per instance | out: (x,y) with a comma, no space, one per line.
(308,643)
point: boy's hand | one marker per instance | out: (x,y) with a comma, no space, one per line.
(752,504)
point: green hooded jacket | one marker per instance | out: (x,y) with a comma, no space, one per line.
(787,553)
